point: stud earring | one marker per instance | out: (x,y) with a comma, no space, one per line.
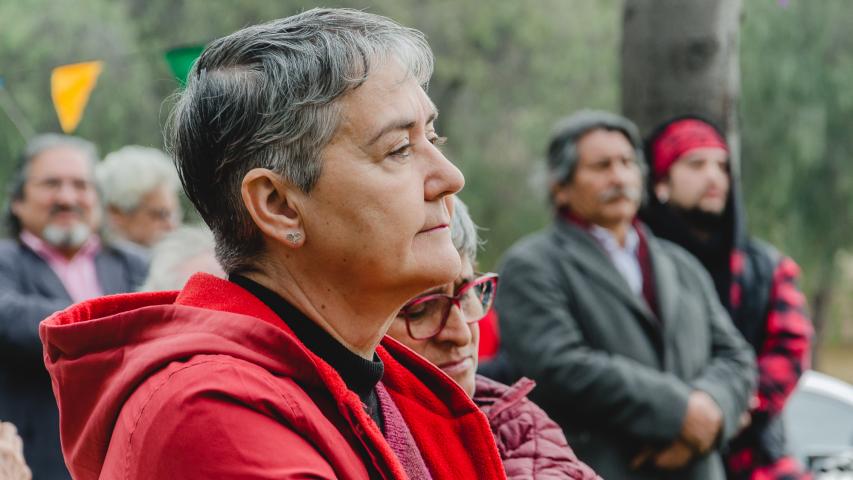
(294,237)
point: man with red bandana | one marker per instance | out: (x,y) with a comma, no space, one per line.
(694,202)
(633,355)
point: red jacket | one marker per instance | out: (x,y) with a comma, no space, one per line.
(210,383)
(782,356)
(532,445)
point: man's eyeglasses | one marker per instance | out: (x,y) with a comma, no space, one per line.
(426,315)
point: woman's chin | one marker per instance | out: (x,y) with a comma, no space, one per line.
(467,383)
(440,266)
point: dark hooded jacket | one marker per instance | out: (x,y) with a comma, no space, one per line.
(757,285)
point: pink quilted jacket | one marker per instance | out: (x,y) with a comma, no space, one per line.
(531,445)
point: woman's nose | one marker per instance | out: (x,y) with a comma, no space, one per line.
(456,330)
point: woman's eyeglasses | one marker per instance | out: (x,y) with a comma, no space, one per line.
(426,315)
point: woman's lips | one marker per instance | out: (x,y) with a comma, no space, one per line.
(457,367)
(434,229)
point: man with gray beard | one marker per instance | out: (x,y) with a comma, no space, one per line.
(634,356)
(52,259)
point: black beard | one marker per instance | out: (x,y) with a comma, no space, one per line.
(704,222)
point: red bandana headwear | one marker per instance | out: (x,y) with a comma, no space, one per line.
(679,138)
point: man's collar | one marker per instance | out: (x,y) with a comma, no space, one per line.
(568,215)
(601,234)
(609,241)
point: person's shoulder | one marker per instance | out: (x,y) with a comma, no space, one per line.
(769,262)
(763,251)
(674,252)
(536,247)
(486,390)
(12,253)
(687,267)
(498,399)
(528,439)
(213,385)
(227,374)
(219,408)
(9,246)
(135,260)
(125,250)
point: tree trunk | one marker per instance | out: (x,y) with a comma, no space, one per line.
(681,56)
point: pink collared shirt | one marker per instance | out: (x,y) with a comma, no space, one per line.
(78,273)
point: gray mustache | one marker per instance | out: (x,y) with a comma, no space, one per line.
(615,193)
(54,209)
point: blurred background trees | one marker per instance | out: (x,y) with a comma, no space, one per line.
(505,72)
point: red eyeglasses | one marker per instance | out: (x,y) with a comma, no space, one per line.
(426,315)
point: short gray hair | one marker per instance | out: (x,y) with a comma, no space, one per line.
(128,174)
(169,254)
(563,148)
(35,147)
(267,97)
(463,231)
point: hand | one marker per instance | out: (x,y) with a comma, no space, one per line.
(744,421)
(754,402)
(674,456)
(702,422)
(641,458)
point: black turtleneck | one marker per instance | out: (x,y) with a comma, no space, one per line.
(359,374)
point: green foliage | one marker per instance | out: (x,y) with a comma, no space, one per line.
(797,108)
(505,71)
(38,35)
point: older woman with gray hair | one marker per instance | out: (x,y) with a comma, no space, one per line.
(139,186)
(308,145)
(180,254)
(442,324)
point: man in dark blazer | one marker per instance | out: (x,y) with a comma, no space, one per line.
(52,259)
(633,353)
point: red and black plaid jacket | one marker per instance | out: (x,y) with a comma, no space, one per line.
(782,357)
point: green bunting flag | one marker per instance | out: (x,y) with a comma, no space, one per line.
(181,60)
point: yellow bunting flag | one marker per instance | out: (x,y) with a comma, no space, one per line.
(70,87)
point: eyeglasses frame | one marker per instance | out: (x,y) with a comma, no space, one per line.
(455,300)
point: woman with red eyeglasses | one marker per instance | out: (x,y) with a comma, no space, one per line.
(442,326)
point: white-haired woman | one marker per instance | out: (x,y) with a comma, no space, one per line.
(442,325)
(180,254)
(140,187)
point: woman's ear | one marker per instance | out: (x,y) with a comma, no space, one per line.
(273,204)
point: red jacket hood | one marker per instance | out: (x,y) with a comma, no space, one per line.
(99,351)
